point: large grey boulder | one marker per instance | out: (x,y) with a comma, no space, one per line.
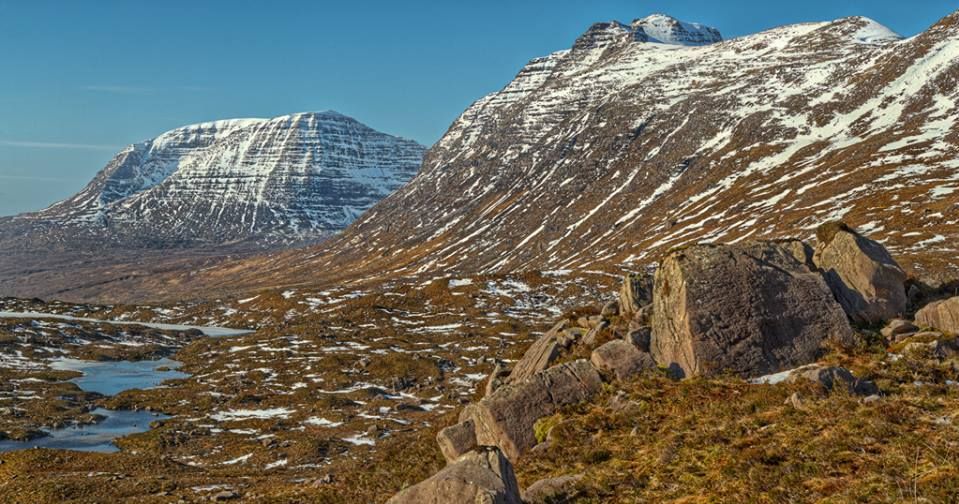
(506,418)
(750,309)
(479,477)
(866,280)
(621,359)
(942,315)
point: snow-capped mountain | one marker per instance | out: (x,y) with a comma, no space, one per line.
(294,178)
(607,154)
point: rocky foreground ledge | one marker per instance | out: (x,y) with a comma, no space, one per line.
(767,312)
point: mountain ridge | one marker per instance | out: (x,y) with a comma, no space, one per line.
(605,157)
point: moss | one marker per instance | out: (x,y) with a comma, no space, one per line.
(543,426)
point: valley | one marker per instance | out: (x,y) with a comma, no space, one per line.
(659,265)
(325,380)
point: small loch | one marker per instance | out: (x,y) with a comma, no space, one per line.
(97,437)
(112,377)
(109,378)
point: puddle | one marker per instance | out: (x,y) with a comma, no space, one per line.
(112,377)
(98,437)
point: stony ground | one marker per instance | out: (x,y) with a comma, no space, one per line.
(338,395)
(330,382)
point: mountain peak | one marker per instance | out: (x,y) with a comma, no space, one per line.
(287,178)
(666,29)
(869,31)
(656,28)
(603,35)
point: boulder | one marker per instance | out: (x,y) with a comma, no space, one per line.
(484,476)
(636,292)
(506,418)
(559,490)
(897,327)
(800,250)
(543,352)
(932,345)
(641,337)
(497,378)
(750,309)
(592,338)
(942,315)
(457,440)
(622,359)
(865,279)
(833,377)
(829,377)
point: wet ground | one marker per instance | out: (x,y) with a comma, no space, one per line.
(328,380)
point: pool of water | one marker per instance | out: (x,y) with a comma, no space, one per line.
(98,437)
(112,377)
(108,378)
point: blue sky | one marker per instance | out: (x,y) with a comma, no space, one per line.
(79,80)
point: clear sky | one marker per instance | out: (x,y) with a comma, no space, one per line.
(79,80)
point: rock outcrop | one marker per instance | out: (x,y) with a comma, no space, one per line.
(942,315)
(479,477)
(457,440)
(636,292)
(543,352)
(866,280)
(834,377)
(506,418)
(750,309)
(622,359)
(898,328)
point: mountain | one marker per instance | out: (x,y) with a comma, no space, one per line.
(200,195)
(610,153)
(290,179)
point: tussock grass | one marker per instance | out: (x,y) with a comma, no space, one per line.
(656,440)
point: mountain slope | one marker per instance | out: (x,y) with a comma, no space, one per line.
(608,154)
(289,179)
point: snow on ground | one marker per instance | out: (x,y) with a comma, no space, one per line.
(246,414)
